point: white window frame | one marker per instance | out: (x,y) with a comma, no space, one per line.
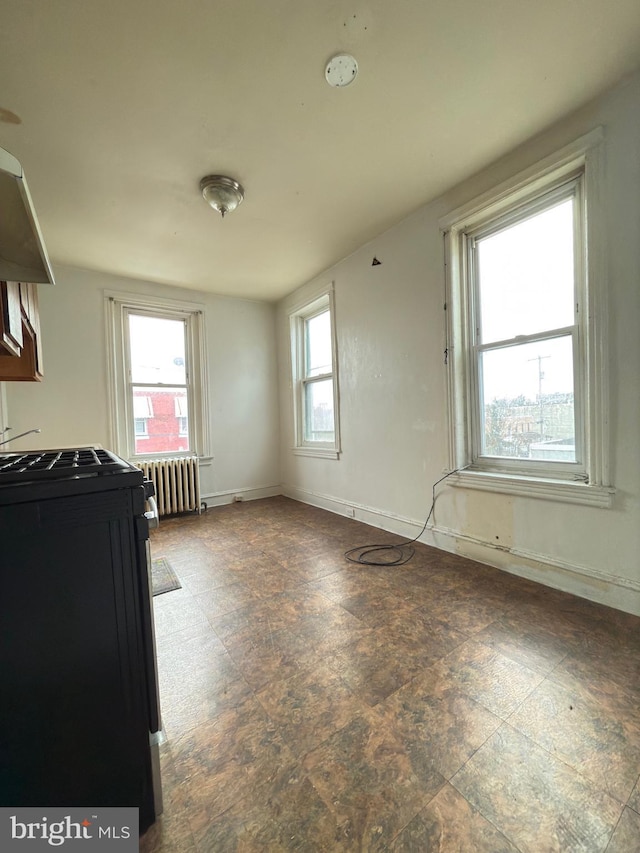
(321,302)
(118,306)
(586,482)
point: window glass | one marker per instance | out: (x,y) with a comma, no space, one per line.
(318,344)
(140,425)
(319,417)
(157,349)
(164,431)
(526,275)
(527,406)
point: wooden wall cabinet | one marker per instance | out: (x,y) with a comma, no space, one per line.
(20,344)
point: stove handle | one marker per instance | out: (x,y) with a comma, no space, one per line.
(152,513)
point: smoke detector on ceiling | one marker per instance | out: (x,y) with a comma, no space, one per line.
(341,70)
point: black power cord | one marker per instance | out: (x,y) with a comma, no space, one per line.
(403,551)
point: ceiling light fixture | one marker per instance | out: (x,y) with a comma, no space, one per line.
(222,193)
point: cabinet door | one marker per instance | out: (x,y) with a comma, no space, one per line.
(11,339)
(24,362)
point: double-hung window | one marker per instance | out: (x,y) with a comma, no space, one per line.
(526,319)
(314,378)
(157,380)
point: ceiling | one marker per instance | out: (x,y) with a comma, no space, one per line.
(117,108)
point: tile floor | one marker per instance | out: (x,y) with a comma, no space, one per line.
(312,704)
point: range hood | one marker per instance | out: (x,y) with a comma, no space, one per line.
(23,256)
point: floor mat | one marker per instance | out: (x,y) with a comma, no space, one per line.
(163,578)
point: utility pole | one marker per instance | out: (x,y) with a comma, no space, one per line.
(540,359)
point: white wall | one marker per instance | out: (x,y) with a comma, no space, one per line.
(390,329)
(70,404)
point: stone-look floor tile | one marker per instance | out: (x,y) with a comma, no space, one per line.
(264,659)
(377,605)
(224,599)
(327,632)
(461,608)
(373,786)
(497,682)
(247,562)
(600,741)
(296,603)
(534,649)
(310,568)
(585,676)
(179,649)
(176,611)
(533,799)
(634,799)
(273,581)
(198,681)
(171,833)
(340,585)
(426,586)
(292,818)
(449,824)
(227,759)
(373,668)
(259,620)
(419,631)
(205,580)
(585,627)
(438,722)
(309,707)
(604,669)
(626,836)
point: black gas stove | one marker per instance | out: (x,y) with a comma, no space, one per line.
(79,714)
(53,464)
(50,473)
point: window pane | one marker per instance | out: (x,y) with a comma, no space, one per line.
(527,406)
(318,405)
(140,426)
(318,345)
(157,350)
(165,427)
(526,276)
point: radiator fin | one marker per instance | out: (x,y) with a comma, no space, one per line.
(176,481)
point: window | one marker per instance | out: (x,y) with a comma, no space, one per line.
(141,428)
(526,309)
(158,387)
(314,375)
(157,374)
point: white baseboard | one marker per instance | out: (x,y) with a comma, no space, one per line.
(611,590)
(252,494)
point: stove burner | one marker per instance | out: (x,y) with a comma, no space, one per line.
(57,464)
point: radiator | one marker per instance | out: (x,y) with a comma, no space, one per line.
(176,481)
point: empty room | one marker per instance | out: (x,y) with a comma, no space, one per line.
(319,425)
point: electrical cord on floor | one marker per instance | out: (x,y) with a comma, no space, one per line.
(403,551)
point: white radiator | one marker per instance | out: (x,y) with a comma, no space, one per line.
(176,481)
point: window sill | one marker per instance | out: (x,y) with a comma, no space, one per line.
(536,487)
(321,452)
